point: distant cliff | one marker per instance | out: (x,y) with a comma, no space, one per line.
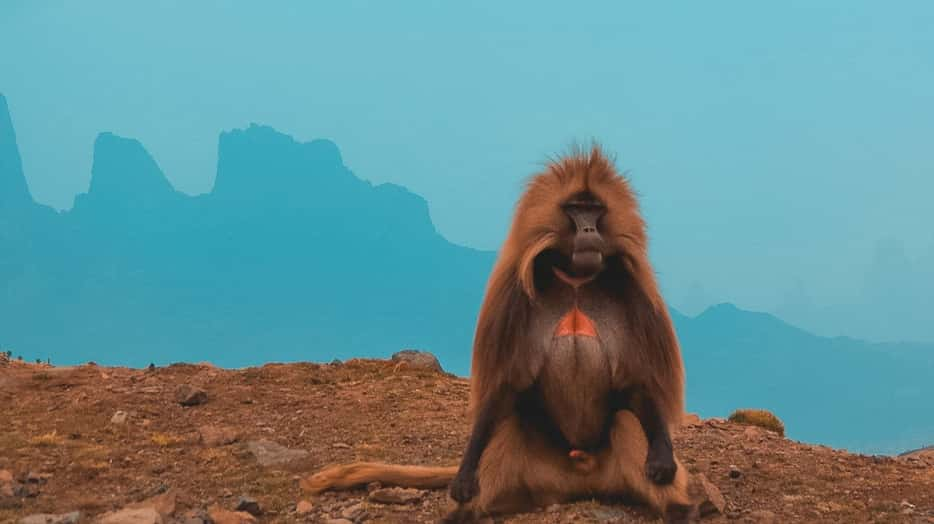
(137,272)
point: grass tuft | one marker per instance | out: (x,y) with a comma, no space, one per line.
(47,440)
(164,439)
(758,417)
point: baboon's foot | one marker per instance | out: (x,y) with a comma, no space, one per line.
(464,515)
(679,514)
(660,466)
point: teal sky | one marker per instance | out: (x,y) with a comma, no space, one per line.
(772,143)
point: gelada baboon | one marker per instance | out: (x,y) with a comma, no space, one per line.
(576,377)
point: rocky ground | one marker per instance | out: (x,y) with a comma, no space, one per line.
(194,443)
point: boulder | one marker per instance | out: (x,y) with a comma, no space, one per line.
(414,359)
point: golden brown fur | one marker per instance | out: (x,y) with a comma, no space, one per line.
(497,357)
(518,469)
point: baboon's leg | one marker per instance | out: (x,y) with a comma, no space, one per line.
(517,472)
(622,471)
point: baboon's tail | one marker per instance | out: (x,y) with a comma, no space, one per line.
(347,476)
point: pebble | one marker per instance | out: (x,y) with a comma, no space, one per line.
(711,500)
(44,518)
(213,436)
(188,395)
(222,516)
(396,495)
(269,453)
(355,512)
(119,417)
(762,516)
(304,507)
(132,516)
(249,505)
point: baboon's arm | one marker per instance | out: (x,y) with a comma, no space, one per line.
(464,486)
(660,464)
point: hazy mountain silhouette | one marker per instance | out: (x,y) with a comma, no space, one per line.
(837,391)
(894,301)
(137,272)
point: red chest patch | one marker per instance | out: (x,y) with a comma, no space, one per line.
(576,323)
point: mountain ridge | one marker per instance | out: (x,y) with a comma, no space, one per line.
(246,273)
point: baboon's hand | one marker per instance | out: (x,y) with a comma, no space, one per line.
(660,465)
(464,487)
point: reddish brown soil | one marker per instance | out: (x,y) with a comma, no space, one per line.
(56,424)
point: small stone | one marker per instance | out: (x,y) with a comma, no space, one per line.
(132,516)
(268,453)
(338,521)
(414,359)
(28,490)
(396,495)
(222,516)
(710,499)
(163,503)
(119,417)
(354,512)
(6,483)
(690,419)
(735,472)
(213,436)
(340,445)
(373,486)
(762,516)
(249,505)
(304,507)
(45,518)
(188,395)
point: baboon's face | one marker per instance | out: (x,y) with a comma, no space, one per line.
(582,249)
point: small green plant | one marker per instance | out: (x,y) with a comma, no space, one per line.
(758,417)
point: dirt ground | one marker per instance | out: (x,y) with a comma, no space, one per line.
(95,440)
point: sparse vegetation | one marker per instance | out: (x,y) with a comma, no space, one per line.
(758,417)
(164,440)
(47,440)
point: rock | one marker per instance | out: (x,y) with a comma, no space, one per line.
(354,512)
(414,359)
(44,518)
(710,500)
(338,521)
(195,516)
(119,417)
(188,395)
(6,483)
(690,419)
(132,516)
(222,516)
(735,472)
(304,507)
(396,495)
(340,445)
(214,436)
(762,516)
(268,453)
(249,505)
(164,503)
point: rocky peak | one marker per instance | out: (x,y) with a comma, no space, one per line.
(14,193)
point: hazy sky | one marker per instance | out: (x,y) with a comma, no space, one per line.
(771,142)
